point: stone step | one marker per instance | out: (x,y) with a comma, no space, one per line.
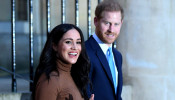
(15,96)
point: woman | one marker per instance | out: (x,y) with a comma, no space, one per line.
(62,73)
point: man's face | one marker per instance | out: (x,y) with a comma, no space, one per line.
(108,26)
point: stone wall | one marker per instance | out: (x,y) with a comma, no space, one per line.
(147,44)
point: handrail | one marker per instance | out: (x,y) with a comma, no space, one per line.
(6,70)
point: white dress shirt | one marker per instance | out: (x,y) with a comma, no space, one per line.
(104,48)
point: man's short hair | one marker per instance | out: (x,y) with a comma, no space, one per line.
(108,5)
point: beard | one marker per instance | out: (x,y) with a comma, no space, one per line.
(105,36)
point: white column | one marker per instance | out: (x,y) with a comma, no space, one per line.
(148,47)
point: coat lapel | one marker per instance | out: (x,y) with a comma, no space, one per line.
(116,59)
(102,58)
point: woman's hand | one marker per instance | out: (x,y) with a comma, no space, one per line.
(92,97)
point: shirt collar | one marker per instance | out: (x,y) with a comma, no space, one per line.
(103,46)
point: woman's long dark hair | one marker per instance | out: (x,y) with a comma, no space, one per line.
(47,63)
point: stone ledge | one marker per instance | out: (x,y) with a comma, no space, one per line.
(126,95)
(15,96)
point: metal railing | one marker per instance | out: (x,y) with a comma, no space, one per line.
(13,36)
(13,73)
(31,42)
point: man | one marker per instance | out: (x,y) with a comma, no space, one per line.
(106,78)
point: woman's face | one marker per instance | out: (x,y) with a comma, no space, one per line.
(69,47)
